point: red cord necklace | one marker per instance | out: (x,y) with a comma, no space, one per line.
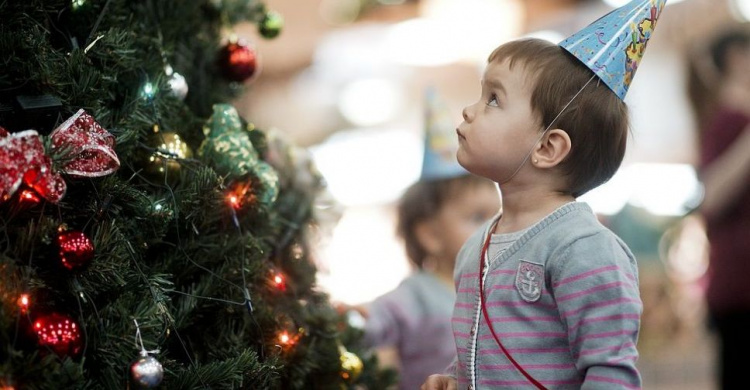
(482,259)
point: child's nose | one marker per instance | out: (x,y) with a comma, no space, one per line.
(467,114)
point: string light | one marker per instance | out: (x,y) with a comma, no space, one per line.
(29,197)
(287,340)
(234,201)
(238,195)
(148,90)
(279,281)
(24,302)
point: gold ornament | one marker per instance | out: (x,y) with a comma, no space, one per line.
(351,365)
(169,148)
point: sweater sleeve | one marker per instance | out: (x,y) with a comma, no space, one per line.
(596,288)
(383,325)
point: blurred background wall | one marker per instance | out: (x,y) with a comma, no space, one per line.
(346,77)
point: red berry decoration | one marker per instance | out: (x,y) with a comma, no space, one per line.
(59,333)
(238,61)
(76,249)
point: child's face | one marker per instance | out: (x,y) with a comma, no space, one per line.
(500,129)
(461,215)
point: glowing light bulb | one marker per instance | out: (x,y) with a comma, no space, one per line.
(279,282)
(23,302)
(148,91)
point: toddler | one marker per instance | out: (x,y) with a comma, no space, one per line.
(547,297)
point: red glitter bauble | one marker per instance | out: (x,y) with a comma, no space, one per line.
(76,249)
(59,333)
(238,61)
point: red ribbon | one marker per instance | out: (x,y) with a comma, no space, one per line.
(89,152)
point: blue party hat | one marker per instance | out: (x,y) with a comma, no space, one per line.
(440,141)
(613,46)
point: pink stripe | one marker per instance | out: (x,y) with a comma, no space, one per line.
(622,359)
(597,378)
(591,291)
(586,321)
(515,335)
(605,349)
(629,276)
(585,275)
(470,275)
(490,337)
(501,287)
(601,304)
(463,305)
(524,350)
(527,383)
(466,290)
(462,320)
(603,335)
(527,366)
(503,272)
(519,304)
(528,334)
(524,319)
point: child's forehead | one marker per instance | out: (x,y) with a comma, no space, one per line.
(504,70)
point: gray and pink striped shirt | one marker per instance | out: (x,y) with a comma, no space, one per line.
(564,301)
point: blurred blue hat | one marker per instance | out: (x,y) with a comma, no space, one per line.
(613,46)
(440,141)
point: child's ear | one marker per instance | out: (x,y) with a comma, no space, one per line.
(428,237)
(552,149)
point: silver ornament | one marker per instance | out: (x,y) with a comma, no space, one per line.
(177,82)
(146,372)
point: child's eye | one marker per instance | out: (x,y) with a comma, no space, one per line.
(492,101)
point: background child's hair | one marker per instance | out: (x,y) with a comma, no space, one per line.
(422,201)
(596,120)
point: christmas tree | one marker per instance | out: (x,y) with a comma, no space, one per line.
(149,235)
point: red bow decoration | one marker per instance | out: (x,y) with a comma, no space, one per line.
(89,153)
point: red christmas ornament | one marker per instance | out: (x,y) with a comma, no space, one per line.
(59,333)
(238,61)
(76,249)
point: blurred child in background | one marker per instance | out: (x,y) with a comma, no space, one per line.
(410,326)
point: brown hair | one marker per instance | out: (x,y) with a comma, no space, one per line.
(423,200)
(596,120)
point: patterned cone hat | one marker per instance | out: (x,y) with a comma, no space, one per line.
(613,46)
(440,141)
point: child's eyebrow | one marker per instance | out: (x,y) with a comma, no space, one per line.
(496,85)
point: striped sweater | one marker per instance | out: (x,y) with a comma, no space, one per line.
(564,301)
